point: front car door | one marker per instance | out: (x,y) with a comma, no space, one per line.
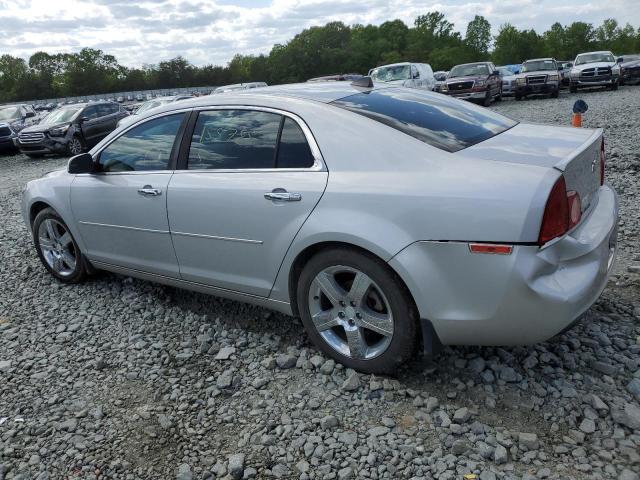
(249,180)
(122,210)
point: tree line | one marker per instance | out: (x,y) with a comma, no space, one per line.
(332,48)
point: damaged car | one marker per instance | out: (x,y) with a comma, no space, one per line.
(13,119)
(630,70)
(71,129)
(387,218)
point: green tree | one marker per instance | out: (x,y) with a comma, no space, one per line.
(478,37)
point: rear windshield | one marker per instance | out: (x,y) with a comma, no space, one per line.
(436,119)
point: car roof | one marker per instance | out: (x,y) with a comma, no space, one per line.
(598,51)
(471,63)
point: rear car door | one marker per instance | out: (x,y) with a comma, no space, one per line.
(122,210)
(90,125)
(249,179)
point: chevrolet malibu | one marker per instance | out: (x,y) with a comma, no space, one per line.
(388,218)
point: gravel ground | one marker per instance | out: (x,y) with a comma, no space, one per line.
(120,378)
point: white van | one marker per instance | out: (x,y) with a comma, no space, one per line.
(412,75)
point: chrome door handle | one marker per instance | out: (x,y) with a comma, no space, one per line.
(149,191)
(283,196)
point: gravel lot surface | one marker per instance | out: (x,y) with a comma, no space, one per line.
(120,378)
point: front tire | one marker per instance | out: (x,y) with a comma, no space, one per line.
(573,89)
(556,93)
(75,146)
(56,247)
(357,311)
(614,85)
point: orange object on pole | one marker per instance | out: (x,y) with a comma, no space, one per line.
(576,120)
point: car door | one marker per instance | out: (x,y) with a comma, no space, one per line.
(249,179)
(122,209)
(90,125)
(107,115)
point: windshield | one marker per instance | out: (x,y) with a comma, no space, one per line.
(629,58)
(505,72)
(390,74)
(469,70)
(538,66)
(435,119)
(61,116)
(8,113)
(594,58)
(440,76)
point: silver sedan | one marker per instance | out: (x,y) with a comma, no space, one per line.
(389,219)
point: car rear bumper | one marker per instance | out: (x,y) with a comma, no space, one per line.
(522,298)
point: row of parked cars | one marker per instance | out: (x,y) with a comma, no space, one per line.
(483,82)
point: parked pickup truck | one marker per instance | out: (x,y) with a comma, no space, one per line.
(595,69)
(538,76)
(479,82)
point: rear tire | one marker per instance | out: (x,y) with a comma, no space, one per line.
(56,247)
(341,294)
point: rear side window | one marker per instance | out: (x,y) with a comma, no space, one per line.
(247,139)
(145,147)
(293,151)
(432,118)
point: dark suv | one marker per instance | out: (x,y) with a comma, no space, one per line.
(13,118)
(479,82)
(71,129)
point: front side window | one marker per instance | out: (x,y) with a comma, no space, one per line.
(432,118)
(104,109)
(234,139)
(90,112)
(145,147)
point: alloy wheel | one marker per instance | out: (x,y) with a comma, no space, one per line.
(350,312)
(75,147)
(57,247)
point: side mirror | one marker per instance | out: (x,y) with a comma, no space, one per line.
(83,119)
(30,115)
(620,60)
(82,163)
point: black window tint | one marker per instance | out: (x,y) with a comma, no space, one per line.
(104,110)
(442,122)
(293,151)
(145,147)
(234,139)
(90,112)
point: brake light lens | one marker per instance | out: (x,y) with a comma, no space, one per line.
(602,160)
(561,213)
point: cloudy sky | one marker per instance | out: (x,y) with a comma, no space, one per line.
(212,31)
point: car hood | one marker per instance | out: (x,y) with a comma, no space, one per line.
(509,78)
(631,63)
(470,78)
(538,72)
(531,144)
(42,128)
(593,65)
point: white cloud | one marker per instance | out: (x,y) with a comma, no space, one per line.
(207,31)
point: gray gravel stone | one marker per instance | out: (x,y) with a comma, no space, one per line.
(236,465)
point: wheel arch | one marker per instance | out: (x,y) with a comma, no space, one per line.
(35,208)
(308,252)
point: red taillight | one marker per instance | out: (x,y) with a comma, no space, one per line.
(561,213)
(602,160)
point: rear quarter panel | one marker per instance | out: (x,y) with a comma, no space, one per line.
(387,190)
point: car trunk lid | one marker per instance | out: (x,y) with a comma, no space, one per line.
(573,151)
